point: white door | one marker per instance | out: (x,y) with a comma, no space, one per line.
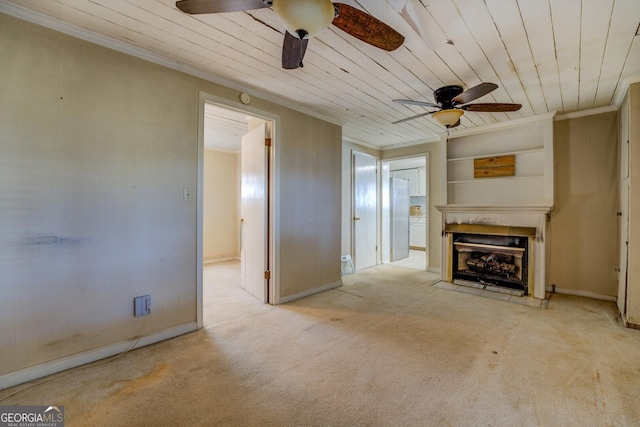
(254,212)
(399,218)
(365,203)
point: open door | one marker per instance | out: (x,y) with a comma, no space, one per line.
(254,211)
(365,205)
(399,213)
(415,170)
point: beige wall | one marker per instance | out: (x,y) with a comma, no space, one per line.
(220,216)
(583,247)
(97,147)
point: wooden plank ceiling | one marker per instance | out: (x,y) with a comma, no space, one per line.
(548,55)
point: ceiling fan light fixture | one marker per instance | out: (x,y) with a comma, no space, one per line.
(448,117)
(304,18)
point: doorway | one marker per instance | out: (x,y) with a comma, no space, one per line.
(402,215)
(235,197)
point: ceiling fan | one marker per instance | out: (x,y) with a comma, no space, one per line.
(452,102)
(304,19)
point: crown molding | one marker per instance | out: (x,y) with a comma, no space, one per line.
(55,24)
(593,111)
(436,138)
(349,140)
(623,88)
(502,125)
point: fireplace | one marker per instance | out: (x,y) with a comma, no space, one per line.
(519,223)
(491,260)
(501,257)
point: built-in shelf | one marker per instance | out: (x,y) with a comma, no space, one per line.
(532,180)
(507,153)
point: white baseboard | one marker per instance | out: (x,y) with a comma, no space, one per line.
(623,318)
(289,298)
(48,368)
(581,293)
(434,270)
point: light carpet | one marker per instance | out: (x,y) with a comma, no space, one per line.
(385,349)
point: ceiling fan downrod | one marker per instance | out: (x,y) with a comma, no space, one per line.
(302,34)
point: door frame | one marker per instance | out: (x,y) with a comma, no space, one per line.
(273,202)
(384,205)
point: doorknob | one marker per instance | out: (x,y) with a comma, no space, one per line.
(356,218)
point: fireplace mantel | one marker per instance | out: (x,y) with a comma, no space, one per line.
(532,217)
(539,209)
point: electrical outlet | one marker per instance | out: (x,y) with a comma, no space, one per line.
(142,305)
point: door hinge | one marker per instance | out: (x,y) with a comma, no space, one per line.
(267,142)
(267,275)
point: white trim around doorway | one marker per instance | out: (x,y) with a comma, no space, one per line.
(274,241)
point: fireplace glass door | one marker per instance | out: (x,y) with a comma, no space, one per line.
(492,260)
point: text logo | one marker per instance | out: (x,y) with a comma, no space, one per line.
(31,416)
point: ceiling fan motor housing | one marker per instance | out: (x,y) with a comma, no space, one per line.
(453,101)
(444,96)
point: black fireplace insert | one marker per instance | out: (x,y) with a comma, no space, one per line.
(492,260)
